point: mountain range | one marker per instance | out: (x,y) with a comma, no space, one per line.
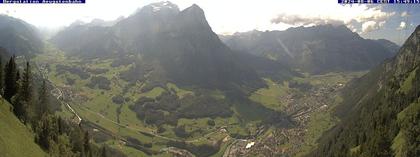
(317,49)
(161,80)
(180,42)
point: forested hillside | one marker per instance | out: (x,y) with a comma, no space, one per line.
(34,129)
(160,82)
(380,111)
(19,37)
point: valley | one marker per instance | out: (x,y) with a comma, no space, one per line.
(161,81)
(121,122)
(312,110)
(307,100)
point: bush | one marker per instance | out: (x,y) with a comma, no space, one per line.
(70,81)
(180,132)
(151,110)
(211,122)
(61,69)
(203,150)
(99,81)
(118,99)
(97,71)
(135,73)
(161,130)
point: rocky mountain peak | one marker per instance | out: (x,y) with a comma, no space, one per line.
(159,8)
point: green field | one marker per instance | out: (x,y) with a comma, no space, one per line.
(95,105)
(270,97)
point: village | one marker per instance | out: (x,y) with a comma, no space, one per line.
(289,141)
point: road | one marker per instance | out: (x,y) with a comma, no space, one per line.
(59,95)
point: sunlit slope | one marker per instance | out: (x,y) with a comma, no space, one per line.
(15,138)
(380,111)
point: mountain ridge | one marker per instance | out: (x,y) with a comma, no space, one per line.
(317,49)
(181,42)
(19,37)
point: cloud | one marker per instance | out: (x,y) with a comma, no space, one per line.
(370,26)
(352,28)
(404,14)
(300,20)
(402,26)
(373,14)
(369,18)
(372,21)
(223,16)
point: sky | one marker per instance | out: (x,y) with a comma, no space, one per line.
(394,22)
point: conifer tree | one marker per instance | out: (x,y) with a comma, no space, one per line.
(26,89)
(1,76)
(10,86)
(24,97)
(43,101)
(17,81)
(86,144)
(103,151)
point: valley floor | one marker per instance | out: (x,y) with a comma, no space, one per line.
(308,100)
(311,110)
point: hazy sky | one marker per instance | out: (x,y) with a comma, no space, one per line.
(393,22)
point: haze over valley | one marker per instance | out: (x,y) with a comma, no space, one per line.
(161,82)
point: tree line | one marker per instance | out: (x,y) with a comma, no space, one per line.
(56,136)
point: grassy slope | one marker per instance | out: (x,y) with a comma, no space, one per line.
(269,97)
(399,142)
(407,84)
(15,139)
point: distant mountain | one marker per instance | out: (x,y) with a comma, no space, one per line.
(389,45)
(91,41)
(317,49)
(381,111)
(19,37)
(178,45)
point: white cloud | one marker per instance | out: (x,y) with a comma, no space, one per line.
(224,16)
(402,26)
(373,14)
(352,28)
(370,18)
(300,20)
(370,26)
(404,14)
